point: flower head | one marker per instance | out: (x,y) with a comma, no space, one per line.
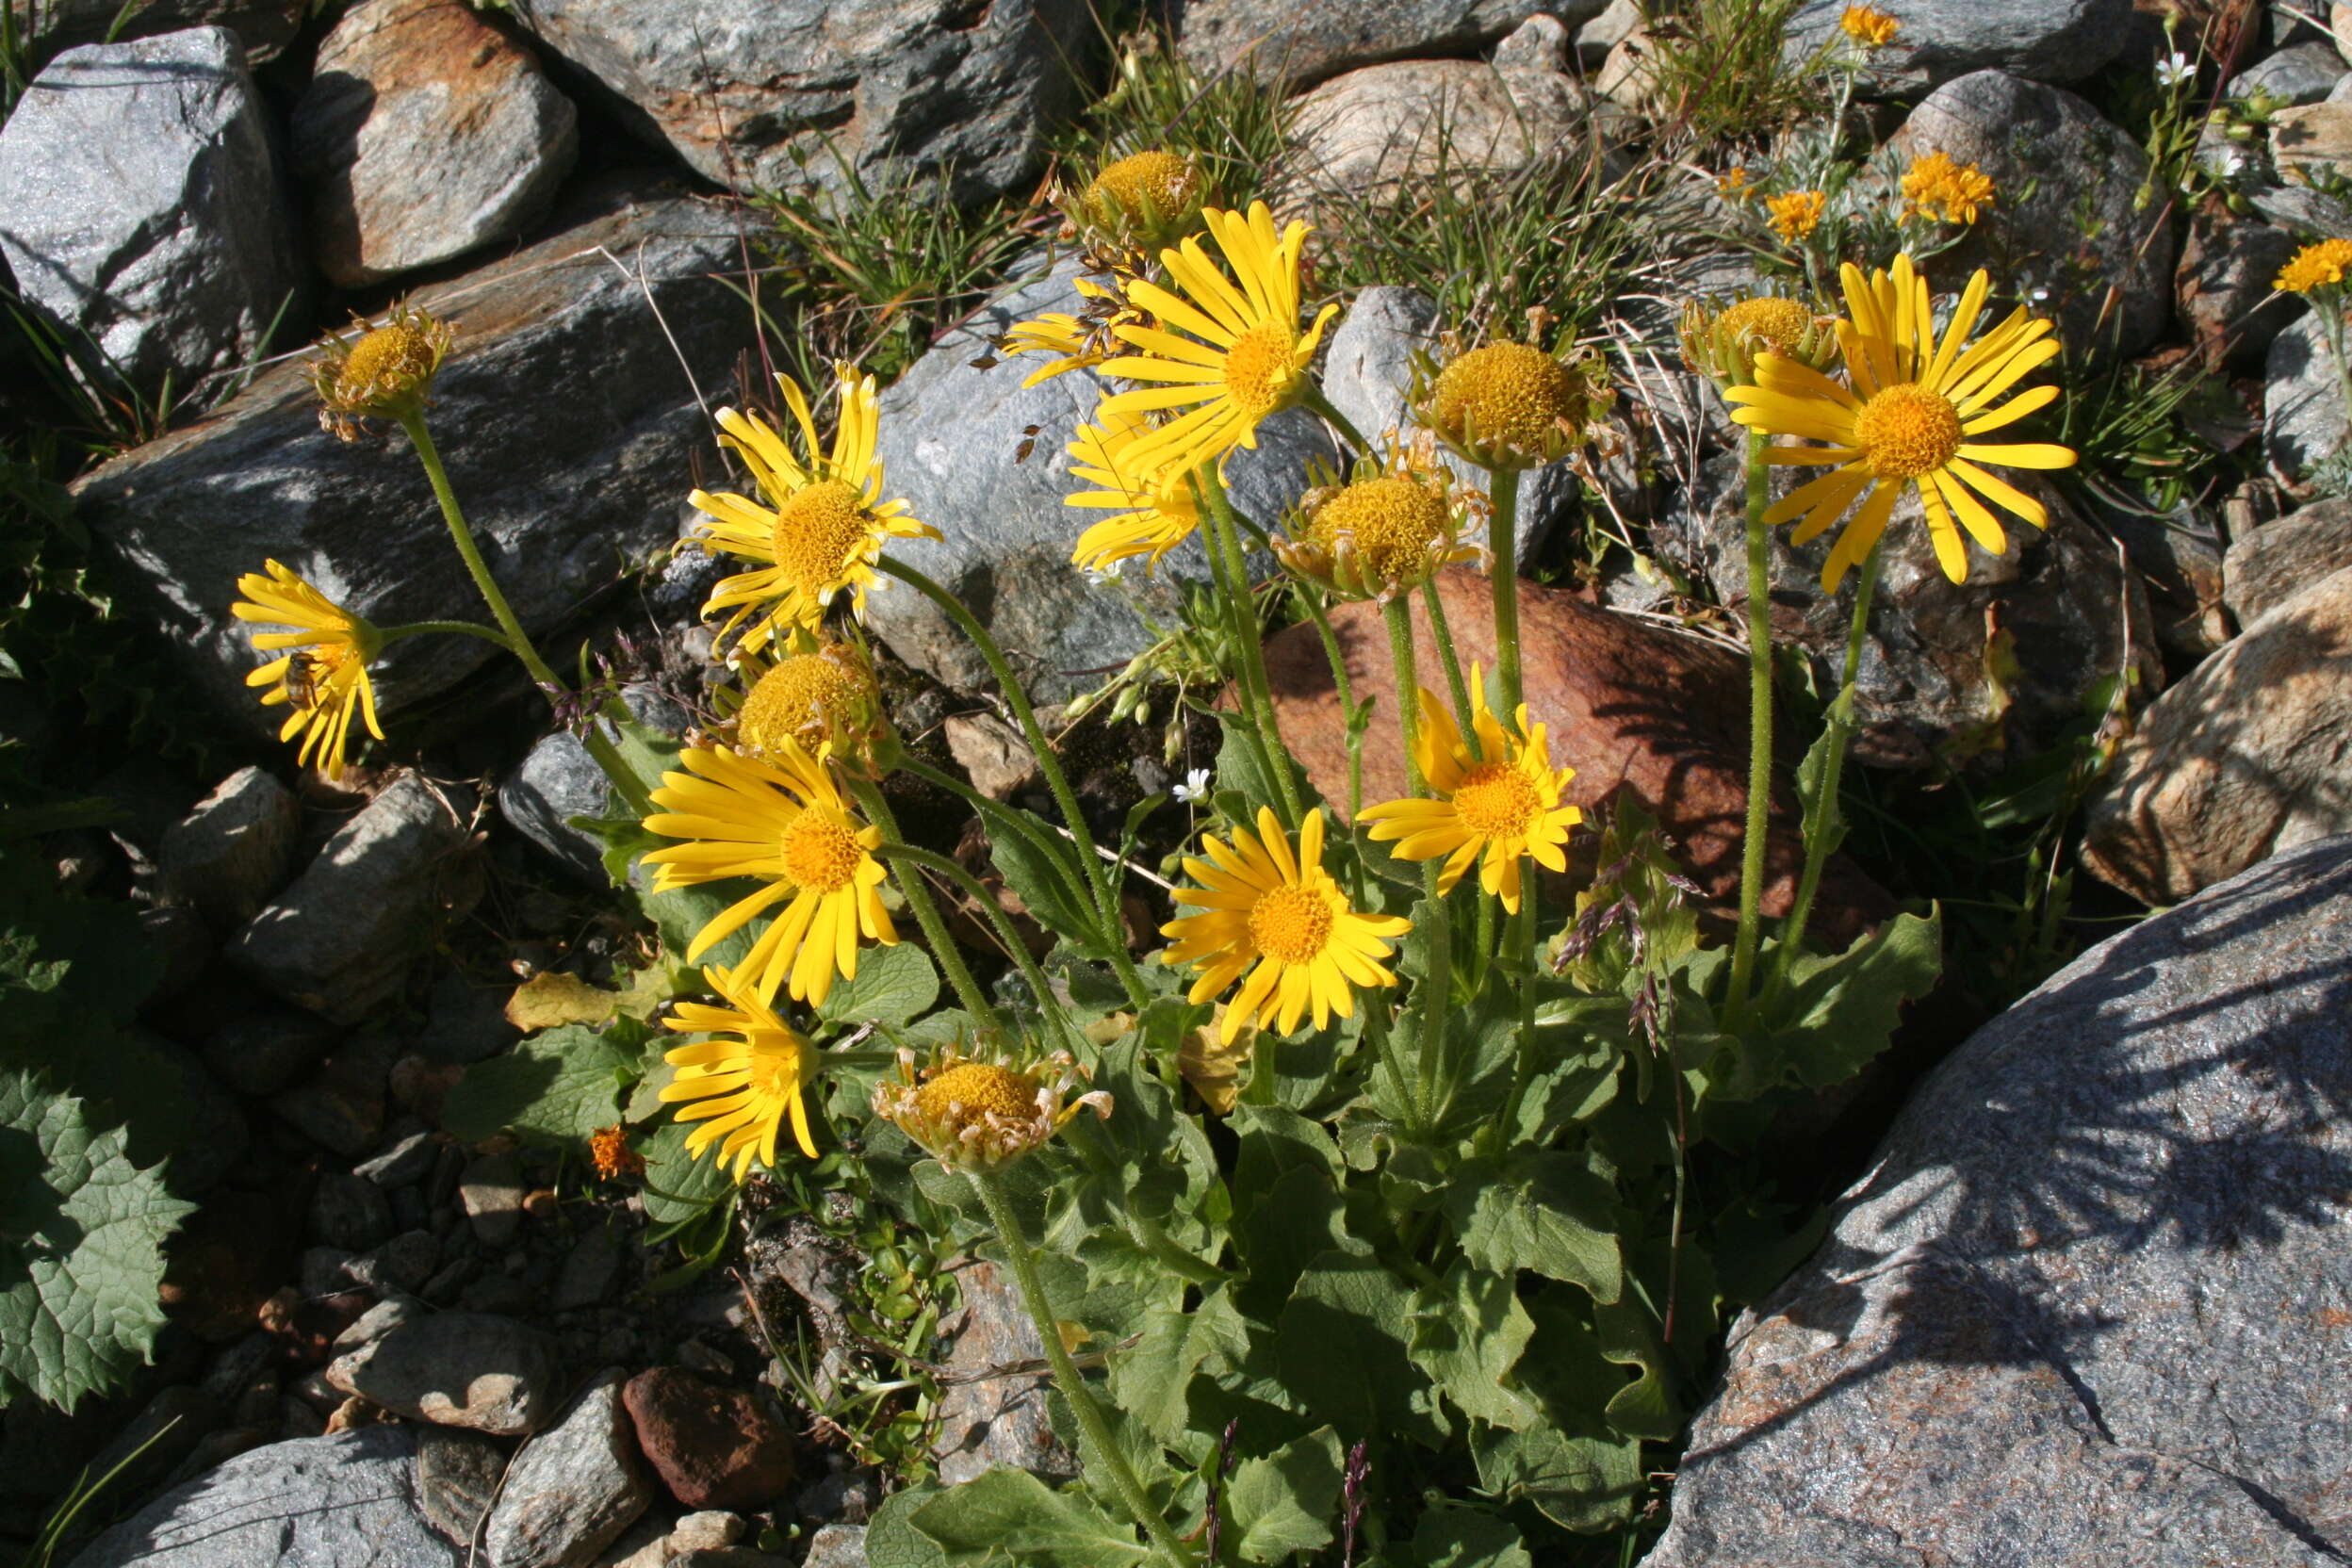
(1195,786)
(1384,531)
(1911,416)
(1244,358)
(1869,27)
(1076,342)
(323,675)
(1159,512)
(1261,906)
(1512,405)
(1503,803)
(812,694)
(2174,69)
(610,1155)
(1148,198)
(385,373)
(744,1081)
(1732,184)
(1722,343)
(985,1106)
(1796,214)
(779,819)
(2321,264)
(1936,188)
(826,523)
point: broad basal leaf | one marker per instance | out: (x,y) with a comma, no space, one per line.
(1285,1502)
(1548,1211)
(559,1085)
(1011,1518)
(892,987)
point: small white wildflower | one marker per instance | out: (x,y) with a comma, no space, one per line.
(2174,69)
(1196,785)
(1106,573)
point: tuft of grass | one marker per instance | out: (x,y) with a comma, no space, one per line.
(1720,73)
(1230,124)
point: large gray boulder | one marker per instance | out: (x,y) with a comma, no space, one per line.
(780,93)
(2303,410)
(568,421)
(2064,227)
(425,132)
(2087,1307)
(982,459)
(1299,42)
(348,1501)
(2050,41)
(139,206)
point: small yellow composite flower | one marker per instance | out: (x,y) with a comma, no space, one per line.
(1503,808)
(385,373)
(812,694)
(744,1081)
(2322,263)
(1936,188)
(1377,536)
(1732,184)
(1796,214)
(1284,914)
(1146,198)
(1910,418)
(1512,405)
(1245,358)
(984,1112)
(826,522)
(1721,344)
(779,819)
(1159,513)
(324,672)
(1869,27)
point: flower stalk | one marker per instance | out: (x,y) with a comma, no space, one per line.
(1436,986)
(1759,736)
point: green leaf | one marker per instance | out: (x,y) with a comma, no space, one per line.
(1452,1536)
(1645,1407)
(1581,1483)
(1468,1332)
(557,1087)
(81,1248)
(1548,1211)
(676,1187)
(1340,1345)
(891,1539)
(1813,772)
(1839,1012)
(892,987)
(1011,1518)
(1284,1503)
(1047,878)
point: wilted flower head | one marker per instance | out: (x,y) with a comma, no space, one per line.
(1387,529)
(1146,198)
(1938,187)
(1512,405)
(983,1109)
(816,691)
(385,373)
(1721,342)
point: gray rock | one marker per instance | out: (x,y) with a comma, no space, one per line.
(341,1105)
(2049,41)
(143,206)
(951,434)
(348,1501)
(393,1312)
(2311,145)
(265,1052)
(457,1369)
(775,95)
(2223,292)
(2271,565)
(263,26)
(2249,756)
(2303,412)
(711,1529)
(457,1479)
(1366,130)
(836,1547)
(182,940)
(1597,38)
(558,780)
(986,1422)
(2106,268)
(349,1212)
(566,421)
(2079,1312)
(407,1161)
(573,1489)
(591,1269)
(1302,45)
(492,1193)
(234,850)
(425,132)
(2299,73)
(1542,42)
(340,940)
(405,1263)
(154,1442)
(466,1022)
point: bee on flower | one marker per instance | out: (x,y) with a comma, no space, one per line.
(321,672)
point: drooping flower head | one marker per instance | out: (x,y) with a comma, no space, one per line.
(2319,266)
(1073,342)
(1263,907)
(1389,529)
(323,673)
(1227,350)
(742,1083)
(825,522)
(610,1155)
(1722,342)
(1796,214)
(1146,198)
(985,1102)
(383,373)
(1156,514)
(778,819)
(1936,188)
(1869,27)
(813,693)
(1912,417)
(1512,405)
(1503,804)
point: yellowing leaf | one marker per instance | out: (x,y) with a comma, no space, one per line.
(552,999)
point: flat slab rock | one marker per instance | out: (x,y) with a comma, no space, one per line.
(2090,1305)
(348,1501)
(1300,44)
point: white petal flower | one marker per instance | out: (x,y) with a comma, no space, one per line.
(2174,69)
(1196,785)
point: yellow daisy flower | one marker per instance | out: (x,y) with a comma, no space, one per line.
(323,676)
(742,1083)
(2321,263)
(1161,514)
(1286,916)
(829,525)
(1246,357)
(778,818)
(1796,214)
(1504,808)
(1910,418)
(1869,27)
(1936,188)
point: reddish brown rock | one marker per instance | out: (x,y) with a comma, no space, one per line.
(1630,704)
(713,1446)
